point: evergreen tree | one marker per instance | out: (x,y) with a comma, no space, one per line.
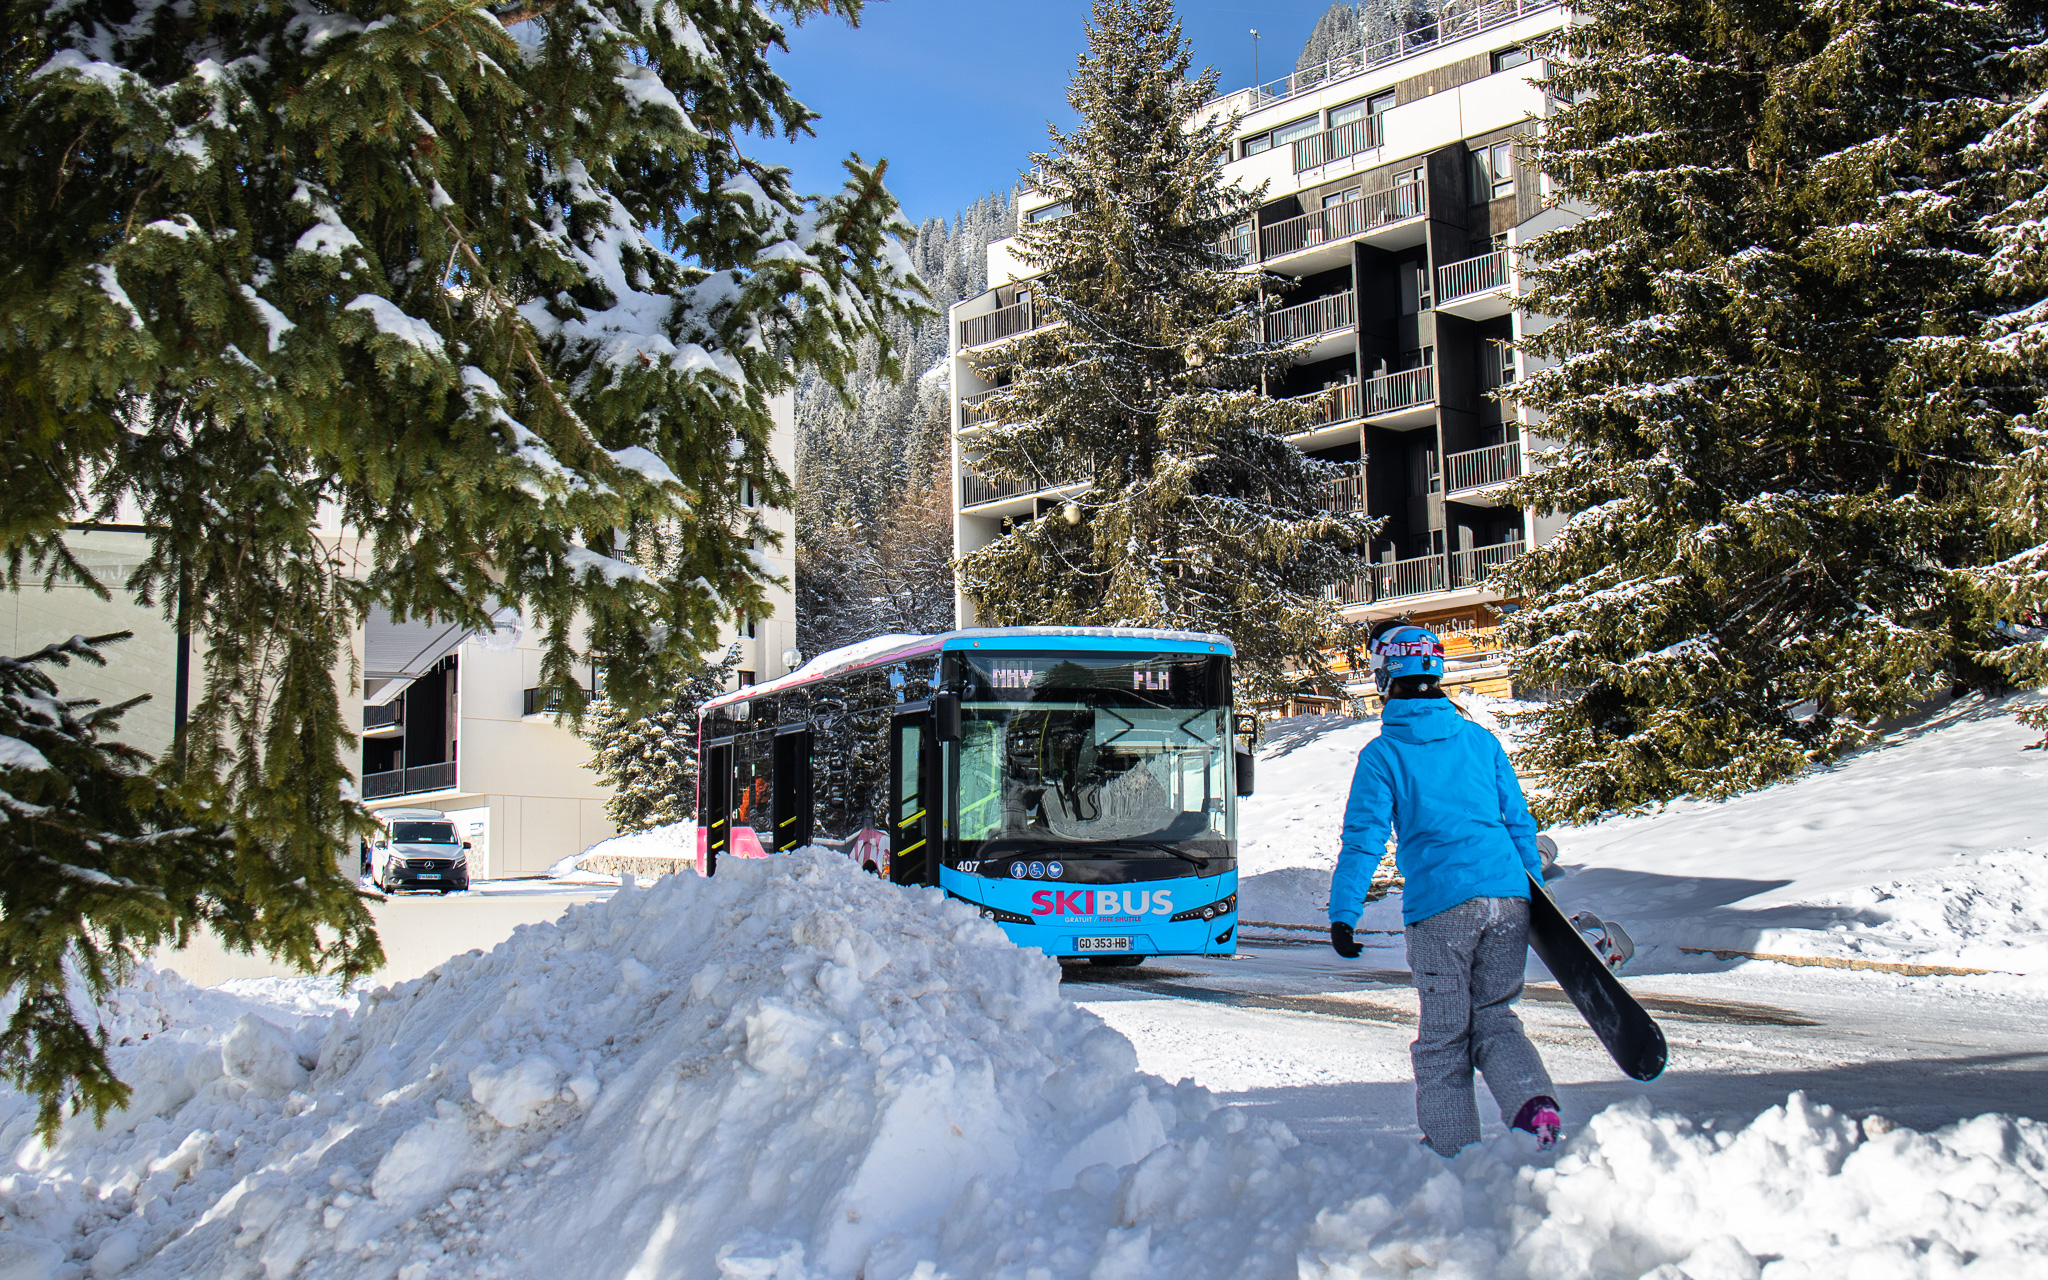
(492,285)
(2015,344)
(650,761)
(1199,514)
(1772,459)
(99,864)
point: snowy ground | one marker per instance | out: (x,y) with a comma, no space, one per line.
(796,1071)
(1929,848)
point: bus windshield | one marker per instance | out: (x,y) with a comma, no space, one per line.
(1112,755)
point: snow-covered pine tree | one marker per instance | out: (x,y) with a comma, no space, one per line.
(1772,465)
(650,761)
(492,285)
(1199,514)
(84,892)
(2015,344)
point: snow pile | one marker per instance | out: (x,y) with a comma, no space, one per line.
(657,846)
(798,1071)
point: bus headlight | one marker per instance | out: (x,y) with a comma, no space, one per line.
(1223,907)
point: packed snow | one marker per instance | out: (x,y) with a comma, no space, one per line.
(797,1071)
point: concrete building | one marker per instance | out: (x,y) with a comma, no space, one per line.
(1396,195)
(455,720)
(451,720)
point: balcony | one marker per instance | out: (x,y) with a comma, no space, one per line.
(1330,406)
(1310,320)
(1237,246)
(1003,322)
(972,414)
(1469,568)
(1477,288)
(1438,30)
(1411,393)
(1341,222)
(409,782)
(1344,495)
(1346,139)
(387,721)
(978,491)
(1470,477)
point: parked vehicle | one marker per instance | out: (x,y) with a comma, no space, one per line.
(419,850)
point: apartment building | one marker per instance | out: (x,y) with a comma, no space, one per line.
(452,719)
(456,721)
(1395,196)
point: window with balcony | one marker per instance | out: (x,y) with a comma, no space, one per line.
(1493,172)
(1497,366)
(1049,213)
(1280,137)
(1503,59)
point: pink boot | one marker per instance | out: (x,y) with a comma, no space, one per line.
(1539,1116)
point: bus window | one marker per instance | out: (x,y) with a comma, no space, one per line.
(1095,756)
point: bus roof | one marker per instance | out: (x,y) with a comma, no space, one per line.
(883,650)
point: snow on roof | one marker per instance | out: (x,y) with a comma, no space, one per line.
(879,650)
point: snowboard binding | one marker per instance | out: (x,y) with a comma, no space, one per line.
(1607,938)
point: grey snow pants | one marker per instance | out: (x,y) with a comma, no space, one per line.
(1468,964)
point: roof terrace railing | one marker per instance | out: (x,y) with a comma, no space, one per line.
(1451,22)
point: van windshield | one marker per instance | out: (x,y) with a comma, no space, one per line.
(1111,755)
(423,833)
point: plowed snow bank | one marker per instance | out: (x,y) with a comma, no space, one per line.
(798,1071)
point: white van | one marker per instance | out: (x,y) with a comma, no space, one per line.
(419,849)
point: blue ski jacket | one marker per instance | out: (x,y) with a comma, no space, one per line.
(1445,788)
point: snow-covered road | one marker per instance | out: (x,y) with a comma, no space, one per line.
(1322,1042)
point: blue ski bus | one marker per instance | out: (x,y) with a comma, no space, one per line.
(1077,785)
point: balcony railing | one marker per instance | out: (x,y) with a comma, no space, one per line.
(1330,406)
(1394,392)
(1238,244)
(1347,139)
(1003,322)
(971,411)
(409,782)
(389,716)
(1312,319)
(1342,221)
(975,489)
(1473,275)
(1428,32)
(1479,468)
(1345,494)
(1471,567)
(1413,577)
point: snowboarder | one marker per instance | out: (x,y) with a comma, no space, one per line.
(1466,849)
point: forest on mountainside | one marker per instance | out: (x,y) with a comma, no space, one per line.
(874,485)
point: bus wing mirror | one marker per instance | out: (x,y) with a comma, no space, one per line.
(1244,773)
(1246,723)
(946,717)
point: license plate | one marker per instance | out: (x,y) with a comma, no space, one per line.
(1102,944)
(429,875)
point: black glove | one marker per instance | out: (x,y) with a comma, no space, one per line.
(1342,941)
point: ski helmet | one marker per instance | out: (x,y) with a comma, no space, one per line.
(1406,651)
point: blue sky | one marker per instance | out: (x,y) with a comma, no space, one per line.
(956,93)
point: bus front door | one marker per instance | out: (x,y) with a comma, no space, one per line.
(913,767)
(714,824)
(790,794)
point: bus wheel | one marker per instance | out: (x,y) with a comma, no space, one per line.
(1118,962)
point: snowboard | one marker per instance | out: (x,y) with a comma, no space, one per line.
(1631,1035)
